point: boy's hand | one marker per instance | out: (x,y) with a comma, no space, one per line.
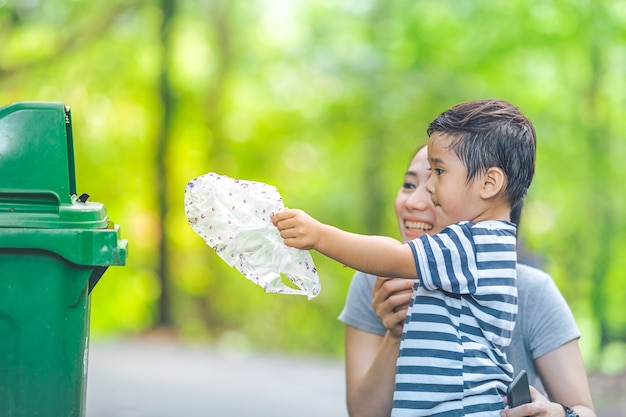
(298,229)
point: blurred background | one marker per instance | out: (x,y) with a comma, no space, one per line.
(327,101)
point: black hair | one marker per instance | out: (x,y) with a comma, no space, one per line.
(516,212)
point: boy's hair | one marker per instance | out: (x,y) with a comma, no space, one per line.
(491,133)
(516,212)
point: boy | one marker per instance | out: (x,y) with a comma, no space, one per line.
(482,157)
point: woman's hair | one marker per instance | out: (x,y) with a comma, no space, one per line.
(491,133)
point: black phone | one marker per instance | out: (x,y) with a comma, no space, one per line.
(518,392)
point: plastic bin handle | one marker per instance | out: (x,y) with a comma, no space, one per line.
(29,202)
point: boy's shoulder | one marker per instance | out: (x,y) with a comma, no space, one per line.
(483,227)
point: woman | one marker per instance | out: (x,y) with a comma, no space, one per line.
(545,340)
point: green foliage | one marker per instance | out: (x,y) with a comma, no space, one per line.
(327,101)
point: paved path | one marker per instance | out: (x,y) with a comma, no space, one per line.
(157,379)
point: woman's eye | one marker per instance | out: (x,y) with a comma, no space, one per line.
(438,171)
(408,186)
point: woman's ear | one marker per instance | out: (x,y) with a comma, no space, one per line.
(494,181)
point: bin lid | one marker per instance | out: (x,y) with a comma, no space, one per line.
(38,185)
(93,247)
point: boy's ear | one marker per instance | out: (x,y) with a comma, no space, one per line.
(494,181)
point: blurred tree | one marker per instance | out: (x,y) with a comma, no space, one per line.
(166,95)
(327,101)
(219,13)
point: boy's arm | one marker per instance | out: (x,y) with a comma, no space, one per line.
(376,255)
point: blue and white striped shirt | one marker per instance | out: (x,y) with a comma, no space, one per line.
(460,319)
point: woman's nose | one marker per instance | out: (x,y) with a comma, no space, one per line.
(418,200)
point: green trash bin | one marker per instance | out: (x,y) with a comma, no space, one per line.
(54,247)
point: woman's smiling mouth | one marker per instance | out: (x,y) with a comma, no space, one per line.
(422,226)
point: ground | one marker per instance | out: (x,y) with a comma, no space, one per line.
(163,378)
(609,394)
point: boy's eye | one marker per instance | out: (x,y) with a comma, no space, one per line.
(408,186)
(437,171)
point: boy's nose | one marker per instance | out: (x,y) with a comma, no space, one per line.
(429,186)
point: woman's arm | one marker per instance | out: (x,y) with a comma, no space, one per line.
(370,372)
(370,358)
(563,375)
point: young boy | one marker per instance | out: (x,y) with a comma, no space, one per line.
(464,305)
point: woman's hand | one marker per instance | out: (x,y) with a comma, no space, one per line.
(391,298)
(540,406)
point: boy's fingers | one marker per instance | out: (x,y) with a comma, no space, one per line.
(282,215)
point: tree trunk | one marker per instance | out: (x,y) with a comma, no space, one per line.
(164,316)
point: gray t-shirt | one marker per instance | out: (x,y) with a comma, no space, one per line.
(544,320)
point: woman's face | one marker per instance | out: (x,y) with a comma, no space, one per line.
(414,208)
